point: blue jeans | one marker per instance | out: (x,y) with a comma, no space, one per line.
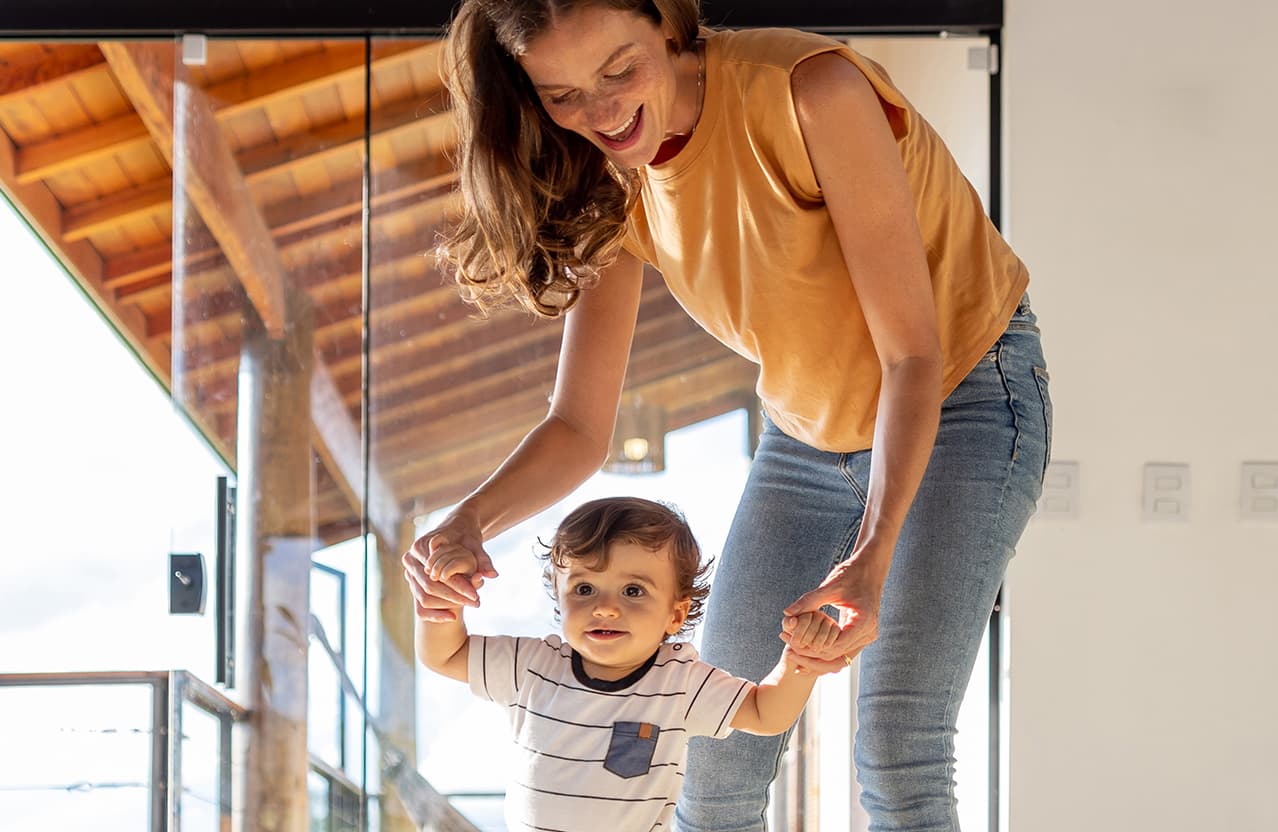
(800,514)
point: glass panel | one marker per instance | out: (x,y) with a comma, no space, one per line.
(267,323)
(93,444)
(199,805)
(85,760)
(317,790)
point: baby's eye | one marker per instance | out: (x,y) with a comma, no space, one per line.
(633,591)
(583,589)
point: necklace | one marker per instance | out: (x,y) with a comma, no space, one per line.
(701,81)
(701,86)
(674,142)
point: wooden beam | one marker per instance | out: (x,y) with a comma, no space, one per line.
(336,440)
(45,65)
(318,280)
(477,448)
(415,356)
(659,379)
(300,248)
(80,148)
(85,219)
(217,361)
(277,496)
(292,217)
(459,387)
(721,381)
(175,110)
(256,164)
(467,466)
(215,187)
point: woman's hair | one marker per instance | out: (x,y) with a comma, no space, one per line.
(544,210)
(588,532)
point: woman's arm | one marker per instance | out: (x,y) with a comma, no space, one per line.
(556,456)
(858,166)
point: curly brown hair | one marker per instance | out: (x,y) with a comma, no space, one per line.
(591,528)
(543,209)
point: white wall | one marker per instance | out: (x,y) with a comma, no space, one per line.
(1141,191)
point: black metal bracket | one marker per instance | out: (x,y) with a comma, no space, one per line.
(186,584)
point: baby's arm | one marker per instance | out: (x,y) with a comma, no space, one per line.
(444,646)
(773,705)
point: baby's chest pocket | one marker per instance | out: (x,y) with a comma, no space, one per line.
(630,749)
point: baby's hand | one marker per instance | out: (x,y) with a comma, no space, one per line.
(449,560)
(810,632)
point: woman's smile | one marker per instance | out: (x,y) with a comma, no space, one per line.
(626,135)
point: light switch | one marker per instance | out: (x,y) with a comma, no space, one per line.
(1060,492)
(1166,492)
(1260,491)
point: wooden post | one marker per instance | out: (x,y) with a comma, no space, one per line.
(398,671)
(276,494)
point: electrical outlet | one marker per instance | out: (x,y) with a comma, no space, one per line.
(1166,492)
(1260,491)
(1060,492)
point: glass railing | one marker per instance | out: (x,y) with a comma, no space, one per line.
(149,751)
(116,750)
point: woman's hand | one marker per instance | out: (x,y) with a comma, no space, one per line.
(805,634)
(855,588)
(446,566)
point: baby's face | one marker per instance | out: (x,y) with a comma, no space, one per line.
(616,618)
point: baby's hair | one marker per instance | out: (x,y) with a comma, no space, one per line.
(588,531)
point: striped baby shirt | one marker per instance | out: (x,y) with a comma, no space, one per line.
(598,755)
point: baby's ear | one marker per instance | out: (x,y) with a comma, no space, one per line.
(679,615)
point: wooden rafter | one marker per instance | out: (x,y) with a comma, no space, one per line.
(718,384)
(156,84)
(339,62)
(439,429)
(43,67)
(257,164)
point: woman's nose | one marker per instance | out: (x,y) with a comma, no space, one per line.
(603,113)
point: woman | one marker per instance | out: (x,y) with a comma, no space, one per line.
(805,214)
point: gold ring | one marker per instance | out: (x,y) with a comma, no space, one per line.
(847,660)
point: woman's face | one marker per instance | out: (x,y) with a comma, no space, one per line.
(607,75)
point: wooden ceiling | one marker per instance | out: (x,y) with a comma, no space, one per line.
(269,142)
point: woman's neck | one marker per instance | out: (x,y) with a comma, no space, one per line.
(691,79)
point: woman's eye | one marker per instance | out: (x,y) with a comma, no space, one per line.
(617,76)
(562,98)
(583,589)
(633,591)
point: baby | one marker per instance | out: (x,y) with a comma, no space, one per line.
(602,715)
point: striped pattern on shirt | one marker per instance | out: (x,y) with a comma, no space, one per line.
(563,725)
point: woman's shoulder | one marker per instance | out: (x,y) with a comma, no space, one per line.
(780,48)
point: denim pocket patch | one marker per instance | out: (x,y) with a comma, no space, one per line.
(630,749)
